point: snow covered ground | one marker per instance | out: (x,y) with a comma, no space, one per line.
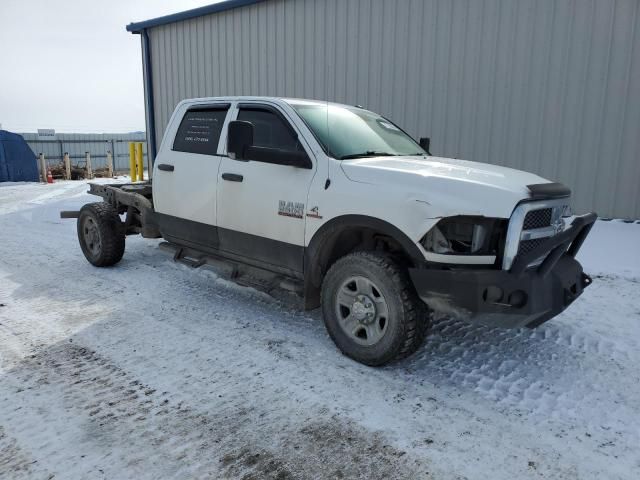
(153,370)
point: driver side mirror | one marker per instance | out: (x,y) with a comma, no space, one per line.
(239,139)
(425,143)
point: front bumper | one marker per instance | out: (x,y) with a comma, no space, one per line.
(517,297)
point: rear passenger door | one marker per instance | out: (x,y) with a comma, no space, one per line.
(261,205)
(185,176)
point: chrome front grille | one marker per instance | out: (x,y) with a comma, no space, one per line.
(530,225)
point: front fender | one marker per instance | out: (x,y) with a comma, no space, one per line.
(323,241)
(321,245)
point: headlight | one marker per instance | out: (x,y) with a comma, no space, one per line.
(466,235)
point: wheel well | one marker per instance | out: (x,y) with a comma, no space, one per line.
(362,239)
(334,243)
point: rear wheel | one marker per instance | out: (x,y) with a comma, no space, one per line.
(371,310)
(100,234)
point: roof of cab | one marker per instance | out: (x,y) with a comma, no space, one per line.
(290,101)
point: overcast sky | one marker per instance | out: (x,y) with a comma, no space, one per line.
(72,66)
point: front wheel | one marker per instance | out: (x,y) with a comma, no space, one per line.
(371,310)
(100,234)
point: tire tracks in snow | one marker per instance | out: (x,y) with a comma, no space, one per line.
(15,463)
(113,409)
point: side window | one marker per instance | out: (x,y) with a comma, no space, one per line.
(199,131)
(270,130)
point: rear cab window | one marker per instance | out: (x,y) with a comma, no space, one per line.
(200,129)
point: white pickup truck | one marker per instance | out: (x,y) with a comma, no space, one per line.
(342,207)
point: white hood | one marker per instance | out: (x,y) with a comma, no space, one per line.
(457,186)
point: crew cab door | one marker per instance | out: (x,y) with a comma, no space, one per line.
(262,200)
(185,175)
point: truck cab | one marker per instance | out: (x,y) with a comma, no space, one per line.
(252,207)
(370,226)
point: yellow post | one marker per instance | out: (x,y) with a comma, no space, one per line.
(140,162)
(132,161)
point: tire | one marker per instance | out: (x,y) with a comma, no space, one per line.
(100,234)
(386,320)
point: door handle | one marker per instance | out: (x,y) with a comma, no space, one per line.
(165,167)
(232,177)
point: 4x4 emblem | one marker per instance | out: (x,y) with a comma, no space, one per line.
(314,213)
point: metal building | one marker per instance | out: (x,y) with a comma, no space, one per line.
(549,86)
(77,144)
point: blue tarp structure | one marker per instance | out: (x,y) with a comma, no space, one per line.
(17,161)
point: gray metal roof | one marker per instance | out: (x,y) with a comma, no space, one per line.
(186,15)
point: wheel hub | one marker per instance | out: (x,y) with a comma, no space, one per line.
(364,309)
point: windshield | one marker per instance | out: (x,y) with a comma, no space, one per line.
(355,133)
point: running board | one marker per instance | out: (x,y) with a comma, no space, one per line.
(246,275)
(181,257)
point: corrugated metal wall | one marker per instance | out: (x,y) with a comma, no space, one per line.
(76,144)
(549,86)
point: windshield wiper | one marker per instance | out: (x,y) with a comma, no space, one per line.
(369,153)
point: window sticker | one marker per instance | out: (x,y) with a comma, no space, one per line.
(199,132)
(388,126)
